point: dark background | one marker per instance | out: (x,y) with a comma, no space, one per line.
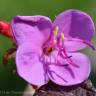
(10,83)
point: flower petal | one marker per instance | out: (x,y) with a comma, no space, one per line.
(28,65)
(66,74)
(75,24)
(34,28)
(73,45)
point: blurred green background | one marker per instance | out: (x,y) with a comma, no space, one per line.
(9,81)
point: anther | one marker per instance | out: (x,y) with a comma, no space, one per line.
(56,31)
(62,37)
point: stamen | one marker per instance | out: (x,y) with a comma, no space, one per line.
(46,65)
(90,45)
(56,31)
(57,76)
(69,60)
(54,41)
(62,37)
(65,57)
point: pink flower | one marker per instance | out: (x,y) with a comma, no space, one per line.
(49,51)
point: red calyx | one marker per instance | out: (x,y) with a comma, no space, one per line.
(5,29)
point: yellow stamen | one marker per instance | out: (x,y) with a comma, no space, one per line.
(56,31)
(62,36)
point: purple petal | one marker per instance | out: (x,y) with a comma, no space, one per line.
(34,28)
(75,24)
(28,64)
(67,74)
(73,45)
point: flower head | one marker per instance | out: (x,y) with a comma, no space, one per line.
(49,51)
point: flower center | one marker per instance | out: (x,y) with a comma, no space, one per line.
(55,41)
(48,50)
